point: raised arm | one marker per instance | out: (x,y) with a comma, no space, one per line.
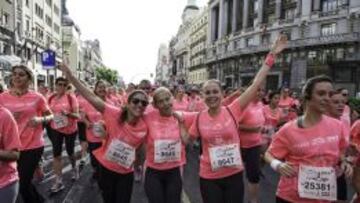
(94,100)
(260,77)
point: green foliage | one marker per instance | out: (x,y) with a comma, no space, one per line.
(106,74)
(354,103)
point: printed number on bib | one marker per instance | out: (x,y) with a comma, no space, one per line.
(98,129)
(121,153)
(60,121)
(225,156)
(317,183)
(167,151)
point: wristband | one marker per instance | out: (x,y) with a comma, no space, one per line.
(275,164)
(270,59)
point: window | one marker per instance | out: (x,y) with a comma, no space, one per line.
(49,2)
(48,20)
(265,39)
(256,6)
(56,10)
(56,28)
(39,11)
(5,18)
(250,42)
(27,3)
(39,33)
(289,14)
(27,24)
(329,5)
(328,29)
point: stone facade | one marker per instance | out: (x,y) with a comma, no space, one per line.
(324,39)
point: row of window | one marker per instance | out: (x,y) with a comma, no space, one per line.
(199,23)
(197,61)
(198,48)
(40,11)
(198,76)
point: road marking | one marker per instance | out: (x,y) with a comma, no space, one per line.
(185,197)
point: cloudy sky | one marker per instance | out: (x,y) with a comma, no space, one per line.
(130,32)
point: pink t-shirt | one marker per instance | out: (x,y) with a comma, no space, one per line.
(272,118)
(285,105)
(355,134)
(24,108)
(82,102)
(180,105)
(130,136)
(318,146)
(196,104)
(9,140)
(346,115)
(57,106)
(95,118)
(164,147)
(217,131)
(252,116)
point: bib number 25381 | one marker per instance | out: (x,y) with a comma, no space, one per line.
(317,183)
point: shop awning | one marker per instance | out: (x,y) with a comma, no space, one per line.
(7,61)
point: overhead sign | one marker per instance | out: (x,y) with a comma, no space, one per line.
(48,59)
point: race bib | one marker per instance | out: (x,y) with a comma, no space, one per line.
(225,156)
(121,153)
(98,129)
(167,151)
(317,183)
(60,121)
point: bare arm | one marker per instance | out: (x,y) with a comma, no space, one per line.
(260,77)
(284,168)
(94,100)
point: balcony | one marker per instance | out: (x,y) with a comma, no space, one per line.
(215,53)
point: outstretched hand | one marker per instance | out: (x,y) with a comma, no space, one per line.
(280,44)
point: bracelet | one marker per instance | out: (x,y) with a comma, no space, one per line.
(275,164)
(270,59)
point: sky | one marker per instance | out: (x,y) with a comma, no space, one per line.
(130,31)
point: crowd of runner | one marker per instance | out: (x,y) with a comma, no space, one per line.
(312,141)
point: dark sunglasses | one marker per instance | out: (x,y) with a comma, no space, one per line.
(137,101)
(345,95)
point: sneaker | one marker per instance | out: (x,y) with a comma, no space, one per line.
(75,174)
(57,187)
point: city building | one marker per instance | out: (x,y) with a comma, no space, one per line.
(72,46)
(39,30)
(92,59)
(162,66)
(180,45)
(198,73)
(324,39)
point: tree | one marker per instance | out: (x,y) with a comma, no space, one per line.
(106,74)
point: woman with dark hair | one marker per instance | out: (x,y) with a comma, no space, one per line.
(180,102)
(221,167)
(126,131)
(30,111)
(95,124)
(272,114)
(313,144)
(65,107)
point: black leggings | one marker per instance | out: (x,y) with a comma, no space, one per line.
(225,190)
(94,163)
(27,163)
(57,139)
(279,200)
(251,158)
(163,186)
(115,187)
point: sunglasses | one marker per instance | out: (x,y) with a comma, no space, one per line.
(345,95)
(144,103)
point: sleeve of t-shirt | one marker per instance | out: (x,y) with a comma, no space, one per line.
(189,118)
(9,132)
(344,143)
(43,104)
(111,114)
(194,131)
(279,145)
(235,109)
(75,103)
